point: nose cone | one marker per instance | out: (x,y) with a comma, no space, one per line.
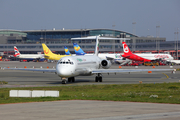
(63,71)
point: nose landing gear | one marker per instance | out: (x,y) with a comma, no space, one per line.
(64,80)
(71,79)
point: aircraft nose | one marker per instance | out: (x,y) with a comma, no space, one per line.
(63,71)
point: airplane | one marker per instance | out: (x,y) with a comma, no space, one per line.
(28,57)
(71,66)
(144,57)
(51,56)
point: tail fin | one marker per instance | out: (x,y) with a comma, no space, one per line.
(46,50)
(17,53)
(126,48)
(66,51)
(97,46)
(78,50)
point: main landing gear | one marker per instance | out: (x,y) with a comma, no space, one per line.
(98,78)
(71,79)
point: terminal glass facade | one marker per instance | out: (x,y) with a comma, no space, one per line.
(55,35)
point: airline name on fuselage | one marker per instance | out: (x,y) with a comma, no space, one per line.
(118,56)
(80,60)
(161,56)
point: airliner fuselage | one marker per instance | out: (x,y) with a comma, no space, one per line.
(72,66)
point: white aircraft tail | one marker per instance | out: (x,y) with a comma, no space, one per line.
(97,46)
(17,53)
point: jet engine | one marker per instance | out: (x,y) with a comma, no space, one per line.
(105,64)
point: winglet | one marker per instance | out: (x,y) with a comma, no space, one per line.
(126,48)
(78,50)
(66,51)
(17,53)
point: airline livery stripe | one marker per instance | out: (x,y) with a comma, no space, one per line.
(86,63)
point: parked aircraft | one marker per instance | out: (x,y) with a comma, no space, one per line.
(71,66)
(28,57)
(144,57)
(51,56)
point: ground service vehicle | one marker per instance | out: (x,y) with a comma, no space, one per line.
(151,63)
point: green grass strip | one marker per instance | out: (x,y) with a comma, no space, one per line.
(154,93)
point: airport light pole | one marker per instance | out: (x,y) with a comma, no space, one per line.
(134,28)
(177,41)
(134,32)
(45,36)
(114,36)
(41,38)
(157,36)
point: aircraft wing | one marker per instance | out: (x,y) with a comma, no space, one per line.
(32,69)
(127,70)
(174,61)
(109,58)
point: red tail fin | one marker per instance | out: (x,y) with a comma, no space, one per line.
(126,48)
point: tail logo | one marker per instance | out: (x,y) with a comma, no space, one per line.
(46,52)
(16,52)
(66,50)
(126,50)
(98,47)
(76,48)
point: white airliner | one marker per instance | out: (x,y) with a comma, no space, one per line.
(28,57)
(71,66)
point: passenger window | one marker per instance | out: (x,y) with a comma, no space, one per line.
(63,62)
(66,62)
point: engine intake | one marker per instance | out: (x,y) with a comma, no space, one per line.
(105,64)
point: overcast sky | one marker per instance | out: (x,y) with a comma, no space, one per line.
(91,14)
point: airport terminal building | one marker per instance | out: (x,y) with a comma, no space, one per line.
(30,41)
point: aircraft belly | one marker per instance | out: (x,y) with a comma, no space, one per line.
(82,72)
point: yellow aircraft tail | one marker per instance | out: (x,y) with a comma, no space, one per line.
(46,50)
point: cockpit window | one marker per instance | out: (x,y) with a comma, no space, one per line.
(66,62)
